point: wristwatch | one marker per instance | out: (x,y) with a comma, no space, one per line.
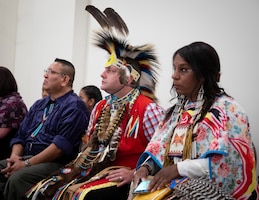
(27,163)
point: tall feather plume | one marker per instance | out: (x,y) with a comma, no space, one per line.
(115,20)
(143,54)
(108,40)
(99,16)
(109,19)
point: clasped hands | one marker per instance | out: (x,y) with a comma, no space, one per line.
(14,163)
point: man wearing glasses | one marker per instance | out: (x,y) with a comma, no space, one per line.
(49,136)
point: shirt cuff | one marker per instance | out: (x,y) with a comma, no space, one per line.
(193,168)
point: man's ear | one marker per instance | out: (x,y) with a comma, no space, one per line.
(130,80)
(66,80)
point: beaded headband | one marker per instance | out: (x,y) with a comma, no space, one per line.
(113,60)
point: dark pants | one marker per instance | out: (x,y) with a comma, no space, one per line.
(15,187)
(111,193)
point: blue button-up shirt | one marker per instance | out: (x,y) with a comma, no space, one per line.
(64,126)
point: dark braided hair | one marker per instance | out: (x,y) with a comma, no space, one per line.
(205,64)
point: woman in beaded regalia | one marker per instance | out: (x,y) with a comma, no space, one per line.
(205,134)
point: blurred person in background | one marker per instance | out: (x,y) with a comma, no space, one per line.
(12,110)
(43,92)
(90,94)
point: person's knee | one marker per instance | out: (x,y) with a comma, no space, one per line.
(16,177)
(3,164)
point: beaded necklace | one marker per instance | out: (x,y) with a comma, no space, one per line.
(105,128)
(174,151)
(46,113)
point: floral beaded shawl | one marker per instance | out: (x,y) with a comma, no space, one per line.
(224,137)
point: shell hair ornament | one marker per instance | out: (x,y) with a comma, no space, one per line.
(113,38)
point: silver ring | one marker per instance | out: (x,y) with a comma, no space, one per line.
(121,178)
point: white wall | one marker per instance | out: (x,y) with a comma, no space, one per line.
(8,25)
(57,28)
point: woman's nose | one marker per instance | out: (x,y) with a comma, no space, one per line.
(175,75)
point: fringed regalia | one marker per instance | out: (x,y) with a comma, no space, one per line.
(222,136)
(117,136)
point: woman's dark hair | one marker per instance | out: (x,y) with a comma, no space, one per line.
(92,91)
(205,64)
(7,82)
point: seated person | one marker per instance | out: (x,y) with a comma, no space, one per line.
(49,136)
(205,134)
(43,92)
(90,94)
(12,110)
(120,127)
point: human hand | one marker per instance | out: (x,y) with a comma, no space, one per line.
(6,171)
(140,174)
(163,177)
(14,163)
(122,175)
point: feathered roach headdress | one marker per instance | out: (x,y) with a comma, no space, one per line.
(139,62)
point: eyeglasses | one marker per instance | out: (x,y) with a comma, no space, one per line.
(50,71)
